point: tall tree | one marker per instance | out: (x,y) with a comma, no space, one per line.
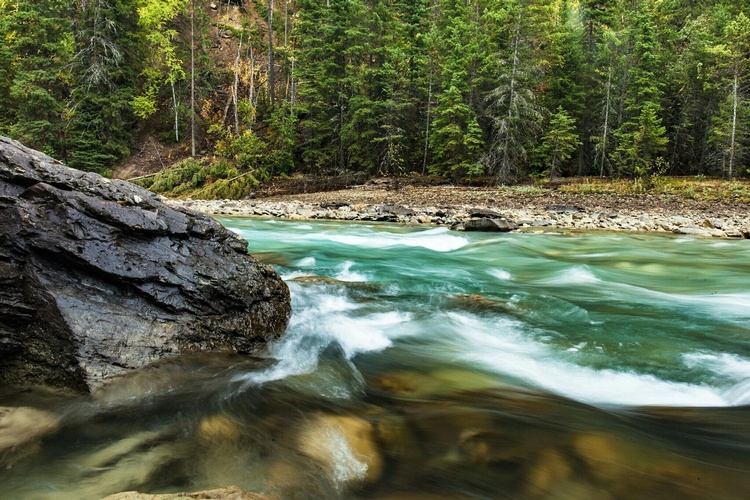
(730,129)
(163,65)
(456,138)
(642,139)
(38,48)
(513,106)
(104,68)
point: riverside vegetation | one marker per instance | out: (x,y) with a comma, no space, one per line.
(239,92)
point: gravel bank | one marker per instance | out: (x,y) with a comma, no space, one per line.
(452,206)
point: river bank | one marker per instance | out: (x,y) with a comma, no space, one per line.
(528,209)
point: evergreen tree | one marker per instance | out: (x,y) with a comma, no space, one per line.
(730,129)
(456,138)
(104,70)
(558,143)
(513,106)
(163,66)
(38,48)
(641,136)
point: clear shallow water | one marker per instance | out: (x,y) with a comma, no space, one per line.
(458,365)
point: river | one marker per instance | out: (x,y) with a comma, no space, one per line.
(421,363)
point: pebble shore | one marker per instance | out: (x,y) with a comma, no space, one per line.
(551,217)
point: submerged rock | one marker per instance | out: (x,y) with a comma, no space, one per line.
(21,429)
(98,277)
(230,493)
(344,446)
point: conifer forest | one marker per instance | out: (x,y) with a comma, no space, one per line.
(500,89)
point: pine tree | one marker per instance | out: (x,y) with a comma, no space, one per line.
(38,48)
(730,129)
(558,143)
(642,140)
(512,105)
(104,70)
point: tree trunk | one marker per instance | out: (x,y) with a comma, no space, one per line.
(251,95)
(733,137)
(606,123)
(271,96)
(175,104)
(292,90)
(505,161)
(235,87)
(427,126)
(192,79)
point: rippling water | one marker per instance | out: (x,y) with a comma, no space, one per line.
(424,363)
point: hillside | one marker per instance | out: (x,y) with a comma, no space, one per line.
(253,91)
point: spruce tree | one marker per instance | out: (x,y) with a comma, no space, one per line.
(38,46)
(641,136)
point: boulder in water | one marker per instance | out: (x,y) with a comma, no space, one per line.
(489,225)
(344,446)
(99,276)
(21,429)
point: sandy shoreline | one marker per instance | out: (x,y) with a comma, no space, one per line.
(451,206)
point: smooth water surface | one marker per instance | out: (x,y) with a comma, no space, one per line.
(447,365)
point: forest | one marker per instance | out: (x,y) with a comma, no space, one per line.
(505,90)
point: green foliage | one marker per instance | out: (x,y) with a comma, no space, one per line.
(456,139)
(642,136)
(558,143)
(199,179)
(37,48)
(459,89)
(163,66)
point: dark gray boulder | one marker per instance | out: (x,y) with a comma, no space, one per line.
(99,276)
(489,225)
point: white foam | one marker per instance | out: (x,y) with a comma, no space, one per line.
(323,318)
(504,349)
(438,239)
(346,274)
(369,333)
(306,262)
(720,363)
(726,304)
(500,274)
(578,275)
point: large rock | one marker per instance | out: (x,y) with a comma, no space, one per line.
(98,277)
(489,225)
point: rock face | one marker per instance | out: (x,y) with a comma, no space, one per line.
(98,276)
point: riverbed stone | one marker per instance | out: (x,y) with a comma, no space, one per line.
(21,429)
(344,446)
(99,276)
(228,493)
(551,468)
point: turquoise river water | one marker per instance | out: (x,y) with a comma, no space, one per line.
(421,363)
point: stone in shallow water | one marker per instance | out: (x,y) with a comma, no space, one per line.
(218,427)
(21,429)
(344,446)
(550,470)
(229,493)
